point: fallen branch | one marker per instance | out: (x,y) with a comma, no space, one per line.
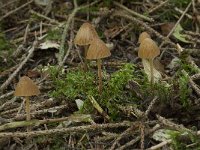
(173,125)
(73,118)
(133,12)
(78,129)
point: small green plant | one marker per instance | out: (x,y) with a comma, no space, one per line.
(80,84)
(184,91)
(75,84)
(181,140)
(54,34)
(188,68)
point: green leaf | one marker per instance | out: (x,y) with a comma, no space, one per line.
(178,35)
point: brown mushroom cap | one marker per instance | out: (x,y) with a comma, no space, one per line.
(26,87)
(85,34)
(97,50)
(148,49)
(143,36)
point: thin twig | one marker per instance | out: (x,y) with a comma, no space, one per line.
(133,12)
(132,142)
(173,125)
(158,146)
(8,3)
(78,129)
(6,95)
(158,6)
(44,17)
(12,125)
(181,12)
(125,133)
(192,83)
(70,45)
(7,82)
(15,10)
(151,106)
(147,27)
(172,30)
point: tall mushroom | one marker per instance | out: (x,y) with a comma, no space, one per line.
(98,50)
(148,49)
(26,87)
(84,36)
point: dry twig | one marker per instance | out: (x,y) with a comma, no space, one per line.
(7,82)
(172,30)
(78,129)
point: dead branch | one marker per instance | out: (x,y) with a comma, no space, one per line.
(78,129)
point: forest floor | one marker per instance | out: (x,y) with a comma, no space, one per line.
(137,107)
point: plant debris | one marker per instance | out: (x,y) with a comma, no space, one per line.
(121,110)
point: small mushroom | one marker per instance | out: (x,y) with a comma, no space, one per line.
(148,49)
(84,37)
(98,50)
(143,36)
(26,88)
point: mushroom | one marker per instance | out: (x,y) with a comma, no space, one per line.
(143,36)
(26,87)
(84,37)
(98,50)
(148,50)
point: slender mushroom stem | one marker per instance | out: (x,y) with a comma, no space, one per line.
(99,75)
(151,70)
(85,66)
(27,103)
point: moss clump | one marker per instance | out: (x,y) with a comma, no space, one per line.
(79,84)
(182,140)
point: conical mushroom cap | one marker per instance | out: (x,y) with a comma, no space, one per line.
(97,50)
(26,87)
(85,34)
(143,36)
(148,49)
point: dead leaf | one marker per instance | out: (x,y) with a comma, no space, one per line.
(167,27)
(179,35)
(49,44)
(156,73)
(33,73)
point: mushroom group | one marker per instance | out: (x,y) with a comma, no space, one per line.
(84,36)
(94,47)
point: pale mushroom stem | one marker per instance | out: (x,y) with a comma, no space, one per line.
(99,75)
(151,70)
(27,103)
(85,66)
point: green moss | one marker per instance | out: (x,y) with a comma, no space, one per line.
(181,140)
(184,90)
(79,84)
(54,34)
